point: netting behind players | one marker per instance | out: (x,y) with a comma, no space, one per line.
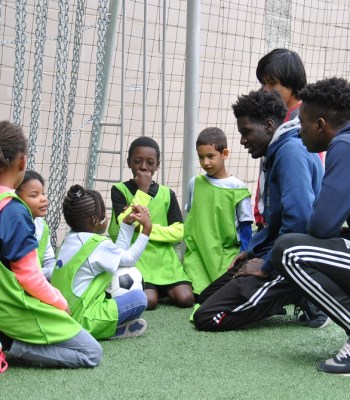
(52,73)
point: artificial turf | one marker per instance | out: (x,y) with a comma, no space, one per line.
(274,359)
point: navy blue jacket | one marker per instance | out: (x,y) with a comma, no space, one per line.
(332,207)
(292,184)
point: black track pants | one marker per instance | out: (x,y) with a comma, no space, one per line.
(229,304)
(321,269)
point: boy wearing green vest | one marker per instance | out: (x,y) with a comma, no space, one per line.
(218,225)
(159,264)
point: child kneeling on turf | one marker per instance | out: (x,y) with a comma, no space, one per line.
(87,260)
(34,320)
(31,191)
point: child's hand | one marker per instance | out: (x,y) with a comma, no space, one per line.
(141,215)
(128,219)
(143,180)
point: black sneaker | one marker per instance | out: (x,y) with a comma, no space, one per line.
(340,364)
(312,316)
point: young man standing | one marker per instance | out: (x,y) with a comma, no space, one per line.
(318,262)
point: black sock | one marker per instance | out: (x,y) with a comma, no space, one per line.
(6,341)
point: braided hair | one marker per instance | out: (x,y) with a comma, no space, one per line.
(82,207)
(12,143)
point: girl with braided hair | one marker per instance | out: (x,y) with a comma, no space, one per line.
(35,324)
(87,260)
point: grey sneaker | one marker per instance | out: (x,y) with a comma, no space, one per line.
(133,328)
(340,364)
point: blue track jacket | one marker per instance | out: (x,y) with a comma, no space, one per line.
(292,184)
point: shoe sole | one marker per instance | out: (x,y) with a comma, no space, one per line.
(128,329)
(326,323)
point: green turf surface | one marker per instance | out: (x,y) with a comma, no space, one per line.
(275,359)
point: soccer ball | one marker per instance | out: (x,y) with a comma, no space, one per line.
(125,279)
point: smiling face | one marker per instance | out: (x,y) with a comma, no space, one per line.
(212,161)
(143,159)
(32,193)
(255,136)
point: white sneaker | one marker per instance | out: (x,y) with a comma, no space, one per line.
(133,328)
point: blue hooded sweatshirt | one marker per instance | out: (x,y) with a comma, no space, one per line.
(292,184)
(334,195)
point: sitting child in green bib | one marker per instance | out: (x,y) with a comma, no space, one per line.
(159,264)
(87,260)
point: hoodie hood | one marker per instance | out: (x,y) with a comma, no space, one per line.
(283,133)
(284,128)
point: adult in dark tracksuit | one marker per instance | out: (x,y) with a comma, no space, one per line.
(319,263)
(293,180)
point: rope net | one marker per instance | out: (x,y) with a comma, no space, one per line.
(52,60)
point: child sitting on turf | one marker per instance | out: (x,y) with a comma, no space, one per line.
(31,191)
(218,225)
(159,264)
(87,260)
(34,322)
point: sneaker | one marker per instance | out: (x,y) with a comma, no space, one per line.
(133,328)
(3,362)
(312,316)
(340,364)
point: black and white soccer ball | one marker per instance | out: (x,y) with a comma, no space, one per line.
(125,279)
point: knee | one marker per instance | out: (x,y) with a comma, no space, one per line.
(142,299)
(94,355)
(200,320)
(185,300)
(182,296)
(152,299)
(282,244)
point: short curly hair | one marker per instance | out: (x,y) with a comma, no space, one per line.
(144,141)
(259,105)
(328,98)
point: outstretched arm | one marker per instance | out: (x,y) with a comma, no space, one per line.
(30,277)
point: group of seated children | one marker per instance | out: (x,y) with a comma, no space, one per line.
(232,277)
(146,222)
